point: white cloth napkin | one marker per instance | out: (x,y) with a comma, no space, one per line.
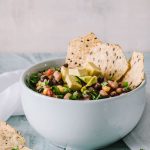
(10,104)
(10,98)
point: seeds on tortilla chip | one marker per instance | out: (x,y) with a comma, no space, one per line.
(135,74)
(79,49)
(9,137)
(111,60)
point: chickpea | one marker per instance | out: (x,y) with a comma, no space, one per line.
(67,96)
(86,97)
(57,76)
(45,91)
(113,93)
(103,93)
(113,84)
(119,90)
(106,88)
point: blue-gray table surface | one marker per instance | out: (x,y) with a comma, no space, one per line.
(11,61)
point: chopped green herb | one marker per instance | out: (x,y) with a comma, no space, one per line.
(34,78)
(66,90)
(125,84)
(104,83)
(56,90)
(98,97)
(46,82)
(76,95)
(94,94)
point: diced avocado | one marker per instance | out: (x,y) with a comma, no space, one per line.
(92,81)
(83,89)
(86,79)
(79,71)
(92,69)
(64,73)
(72,82)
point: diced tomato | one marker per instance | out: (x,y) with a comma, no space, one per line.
(49,72)
(48,92)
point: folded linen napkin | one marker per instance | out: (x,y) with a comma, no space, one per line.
(10,104)
(10,94)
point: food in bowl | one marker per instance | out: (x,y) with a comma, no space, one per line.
(75,84)
(94,70)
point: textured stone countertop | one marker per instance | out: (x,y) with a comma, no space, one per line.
(10,62)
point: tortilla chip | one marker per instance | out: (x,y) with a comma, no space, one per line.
(135,74)
(9,137)
(79,49)
(110,59)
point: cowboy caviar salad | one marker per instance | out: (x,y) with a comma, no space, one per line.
(80,83)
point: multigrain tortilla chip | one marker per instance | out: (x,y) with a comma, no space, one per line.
(111,60)
(79,48)
(9,137)
(135,74)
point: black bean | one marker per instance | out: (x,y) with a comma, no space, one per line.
(43,77)
(120,84)
(50,83)
(97,86)
(54,81)
(100,79)
(60,82)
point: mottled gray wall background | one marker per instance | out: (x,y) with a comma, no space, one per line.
(47,25)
